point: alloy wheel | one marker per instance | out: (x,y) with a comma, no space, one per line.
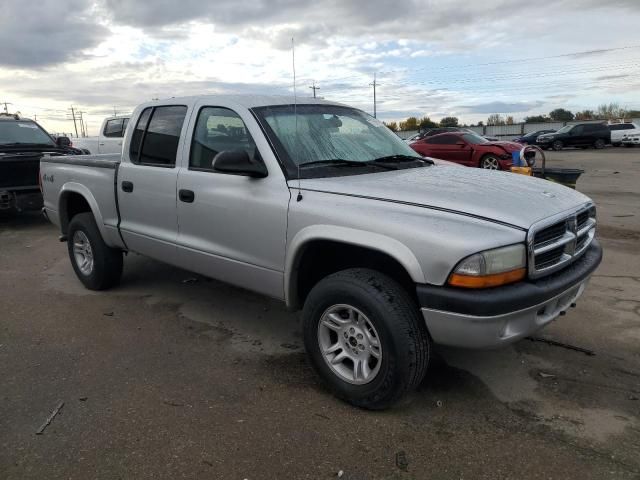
(349,344)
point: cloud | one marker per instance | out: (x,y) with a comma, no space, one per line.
(501,107)
(46,32)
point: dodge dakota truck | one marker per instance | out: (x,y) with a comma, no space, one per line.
(321,206)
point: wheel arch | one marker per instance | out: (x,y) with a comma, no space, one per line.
(76,198)
(320,250)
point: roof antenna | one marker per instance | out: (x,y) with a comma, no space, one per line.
(295,115)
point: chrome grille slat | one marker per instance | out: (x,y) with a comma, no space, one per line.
(558,241)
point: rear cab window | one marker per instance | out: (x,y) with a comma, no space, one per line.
(157,134)
(114,128)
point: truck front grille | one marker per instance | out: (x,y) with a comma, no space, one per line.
(555,243)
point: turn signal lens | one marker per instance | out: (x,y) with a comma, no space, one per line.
(468,281)
(491,268)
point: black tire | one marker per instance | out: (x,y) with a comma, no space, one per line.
(557,145)
(107,262)
(599,144)
(402,333)
(617,144)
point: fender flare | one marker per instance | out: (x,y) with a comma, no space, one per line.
(373,241)
(73,187)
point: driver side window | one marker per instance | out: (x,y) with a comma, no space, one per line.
(218,129)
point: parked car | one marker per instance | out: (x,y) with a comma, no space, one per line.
(22,143)
(468,149)
(620,130)
(413,138)
(631,139)
(532,137)
(110,138)
(323,207)
(584,135)
(437,131)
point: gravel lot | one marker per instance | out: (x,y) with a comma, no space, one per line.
(172,375)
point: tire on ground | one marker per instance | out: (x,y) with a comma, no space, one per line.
(107,261)
(403,335)
(558,145)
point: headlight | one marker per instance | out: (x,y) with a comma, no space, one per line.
(491,268)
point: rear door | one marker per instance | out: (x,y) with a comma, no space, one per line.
(147,182)
(232,227)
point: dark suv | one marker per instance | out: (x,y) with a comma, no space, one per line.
(583,135)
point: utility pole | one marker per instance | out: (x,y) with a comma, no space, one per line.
(314,88)
(81,123)
(6,109)
(115,113)
(374,85)
(73,115)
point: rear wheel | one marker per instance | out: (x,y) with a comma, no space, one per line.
(558,145)
(490,162)
(599,143)
(365,337)
(97,265)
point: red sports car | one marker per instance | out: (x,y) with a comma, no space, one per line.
(468,149)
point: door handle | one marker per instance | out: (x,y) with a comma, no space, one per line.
(127,186)
(187,196)
(101,144)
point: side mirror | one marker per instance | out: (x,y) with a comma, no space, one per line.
(63,141)
(237,162)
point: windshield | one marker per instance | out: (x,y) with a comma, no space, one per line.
(474,139)
(565,129)
(325,133)
(23,131)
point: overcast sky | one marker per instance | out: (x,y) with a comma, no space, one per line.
(432,57)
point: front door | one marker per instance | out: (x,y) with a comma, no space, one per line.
(147,183)
(231,227)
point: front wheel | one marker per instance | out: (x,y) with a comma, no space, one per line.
(599,143)
(558,145)
(97,265)
(365,337)
(490,162)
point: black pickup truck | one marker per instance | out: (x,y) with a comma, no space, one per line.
(22,143)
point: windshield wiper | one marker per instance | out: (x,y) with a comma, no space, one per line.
(400,158)
(339,162)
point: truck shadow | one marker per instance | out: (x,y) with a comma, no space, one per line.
(21,220)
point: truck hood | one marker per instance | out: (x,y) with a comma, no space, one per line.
(501,197)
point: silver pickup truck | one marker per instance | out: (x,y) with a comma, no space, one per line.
(321,206)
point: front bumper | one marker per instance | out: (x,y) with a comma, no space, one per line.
(635,140)
(494,317)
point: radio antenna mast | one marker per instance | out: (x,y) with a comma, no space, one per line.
(295,116)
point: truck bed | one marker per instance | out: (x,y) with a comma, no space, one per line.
(92,176)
